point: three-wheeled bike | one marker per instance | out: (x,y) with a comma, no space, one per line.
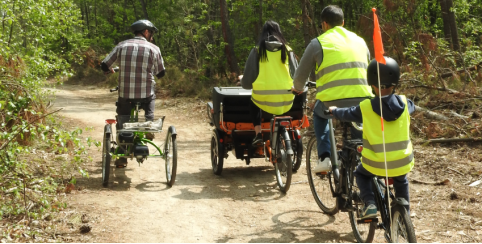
(233,131)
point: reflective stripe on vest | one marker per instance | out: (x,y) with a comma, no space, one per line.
(272,87)
(398,147)
(342,74)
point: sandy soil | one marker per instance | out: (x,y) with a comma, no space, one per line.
(244,203)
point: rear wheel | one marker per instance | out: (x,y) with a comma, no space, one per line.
(402,227)
(217,154)
(283,165)
(170,151)
(106,156)
(363,232)
(297,146)
(321,184)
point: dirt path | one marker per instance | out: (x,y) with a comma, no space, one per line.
(242,205)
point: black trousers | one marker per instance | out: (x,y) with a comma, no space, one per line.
(124,107)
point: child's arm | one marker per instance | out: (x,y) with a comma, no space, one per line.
(411,106)
(352,114)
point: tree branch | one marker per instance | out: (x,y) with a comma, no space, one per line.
(29,123)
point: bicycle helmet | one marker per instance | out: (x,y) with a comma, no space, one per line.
(389,73)
(143,24)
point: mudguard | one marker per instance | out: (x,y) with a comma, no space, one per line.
(286,136)
(108,129)
(172,130)
(209,108)
(400,201)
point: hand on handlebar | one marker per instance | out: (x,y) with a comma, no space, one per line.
(295,92)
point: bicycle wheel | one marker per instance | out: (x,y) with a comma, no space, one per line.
(106,157)
(283,165)
(321,185)
(170,151)
(363,232)
(402,227)
(297,146)
(217,154)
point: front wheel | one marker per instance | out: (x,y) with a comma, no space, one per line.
(106,157)
(321,184)
(402,227)
(217,153)
(283,165)
(170,151)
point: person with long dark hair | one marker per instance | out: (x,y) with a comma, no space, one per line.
(268,72)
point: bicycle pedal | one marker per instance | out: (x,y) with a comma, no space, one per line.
(364,221)
(321,173)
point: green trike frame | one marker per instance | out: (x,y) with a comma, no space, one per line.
(132,143)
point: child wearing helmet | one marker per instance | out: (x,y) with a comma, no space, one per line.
(398,147)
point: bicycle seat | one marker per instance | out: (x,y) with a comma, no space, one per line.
(138,100)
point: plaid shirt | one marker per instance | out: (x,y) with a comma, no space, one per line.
(139,61)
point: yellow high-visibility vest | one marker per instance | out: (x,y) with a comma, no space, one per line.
(272,88)
(343,72)
(398,146)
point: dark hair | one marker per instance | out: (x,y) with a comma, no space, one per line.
(271,32)
(333,15)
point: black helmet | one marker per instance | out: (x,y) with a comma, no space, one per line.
(143,24)
(389,73)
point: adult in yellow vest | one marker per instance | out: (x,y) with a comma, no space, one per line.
(340,59)
(268,71)
(398,147)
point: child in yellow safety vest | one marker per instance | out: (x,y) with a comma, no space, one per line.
(398,147)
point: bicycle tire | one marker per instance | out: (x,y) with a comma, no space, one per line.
(321,185)
(284,165)
(171,158)
(106,157)
(363,232)
(401,226)
(297,153)
(217,154)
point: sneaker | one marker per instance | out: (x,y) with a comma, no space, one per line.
(323,166)
(369,212)
(258,140)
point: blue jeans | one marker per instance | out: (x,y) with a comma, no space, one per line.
(322,130)
(320,122)
(363,177)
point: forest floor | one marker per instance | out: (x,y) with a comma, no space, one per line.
(244,203)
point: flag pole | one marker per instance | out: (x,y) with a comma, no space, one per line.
(377,39)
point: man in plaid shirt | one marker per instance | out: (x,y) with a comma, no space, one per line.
(139,61)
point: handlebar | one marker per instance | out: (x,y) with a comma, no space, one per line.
(309,84)
(116,69)
(115,89)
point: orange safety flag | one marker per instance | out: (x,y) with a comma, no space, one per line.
(377,39)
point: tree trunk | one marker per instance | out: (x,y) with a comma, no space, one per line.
(95,18)
(228,38)
(445,18)
(432,10)
(306,22)
(87,18)
(453,25)
(144,9)
(11,26)
(133,2)
(260,20)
